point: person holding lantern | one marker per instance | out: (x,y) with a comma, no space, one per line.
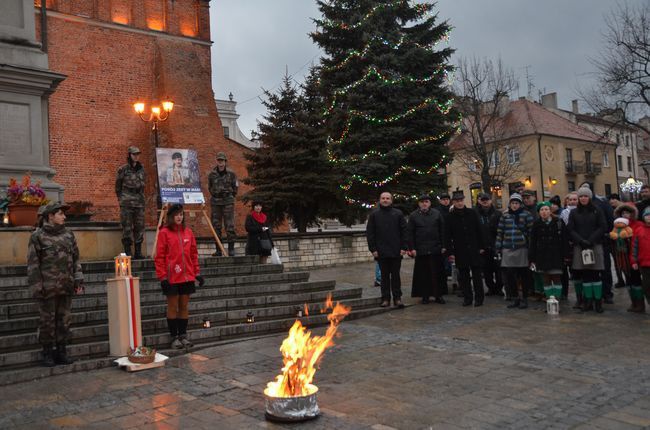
(54,275)
(177,268)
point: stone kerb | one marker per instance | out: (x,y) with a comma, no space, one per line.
(309,250)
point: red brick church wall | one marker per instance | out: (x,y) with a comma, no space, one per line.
(114,53)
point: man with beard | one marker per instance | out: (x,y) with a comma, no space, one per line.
(465,245)
(425,236)
(644,202)
(489,218)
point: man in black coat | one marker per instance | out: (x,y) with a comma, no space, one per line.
(425,236)
(489,218)
(465,244)
(386,234)
(644,201)
(444,203)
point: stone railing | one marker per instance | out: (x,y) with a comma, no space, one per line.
(309,250)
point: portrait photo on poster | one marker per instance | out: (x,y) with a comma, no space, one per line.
(178,176)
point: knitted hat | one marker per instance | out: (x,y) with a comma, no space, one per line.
(585,191)
(542,204)
(622,221)
(516,196)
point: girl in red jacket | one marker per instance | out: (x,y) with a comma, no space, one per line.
(640,255)
(177,267)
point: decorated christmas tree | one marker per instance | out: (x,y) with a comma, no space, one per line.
(388,111)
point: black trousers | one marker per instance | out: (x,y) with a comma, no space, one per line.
(466,285)
(492,273)
(606,275)
(521,274)
(390,278)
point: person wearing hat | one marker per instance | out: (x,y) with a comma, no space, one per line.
(444,202)
(223,186)
(518,187)
(425,235)
(54,275)
(177,269)
(640,256)
(386,234)
(513,233)
(465,244)
(587,228)
(489,218)
(129,188)
(548,250)
(530,202)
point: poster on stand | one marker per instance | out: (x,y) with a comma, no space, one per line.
(178,176)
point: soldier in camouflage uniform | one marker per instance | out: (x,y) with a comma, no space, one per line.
(129,187)
(223,186)
(54,275)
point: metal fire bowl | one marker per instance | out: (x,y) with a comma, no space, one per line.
(292,409)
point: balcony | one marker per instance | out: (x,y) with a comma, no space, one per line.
(593,169)
(573,167)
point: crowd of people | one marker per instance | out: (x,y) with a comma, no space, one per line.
(530,249)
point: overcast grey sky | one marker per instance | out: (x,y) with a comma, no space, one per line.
(254,40)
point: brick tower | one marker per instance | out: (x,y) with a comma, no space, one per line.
(115,52)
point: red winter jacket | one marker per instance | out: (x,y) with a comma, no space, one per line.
(177,258)
(640,252)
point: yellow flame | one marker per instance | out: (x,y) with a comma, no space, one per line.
(301,353)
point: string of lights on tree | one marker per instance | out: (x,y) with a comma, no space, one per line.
(372,72)
(383,79)
(422,10)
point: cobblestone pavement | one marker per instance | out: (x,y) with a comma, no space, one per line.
(424,367)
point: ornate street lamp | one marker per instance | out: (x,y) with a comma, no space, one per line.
(631,185)
(157,114)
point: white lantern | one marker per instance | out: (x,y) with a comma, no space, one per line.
(122,266)
(552,306)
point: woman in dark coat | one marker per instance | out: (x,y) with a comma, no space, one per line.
(548,249)
(258,229)
(587,228)
(425,236)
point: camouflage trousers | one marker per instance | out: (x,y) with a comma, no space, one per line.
(224,215)
(54,325)
(132,220)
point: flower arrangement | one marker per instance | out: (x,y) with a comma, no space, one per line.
(25,192)
(78,207)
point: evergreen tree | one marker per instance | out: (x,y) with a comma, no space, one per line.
(290,172)
(388,105)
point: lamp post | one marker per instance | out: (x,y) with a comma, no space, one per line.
(631,186)
(158,113)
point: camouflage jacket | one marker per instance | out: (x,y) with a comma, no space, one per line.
(129,186)
(53,263)
(223,187)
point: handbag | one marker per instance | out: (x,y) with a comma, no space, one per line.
(588,257)
(265,245)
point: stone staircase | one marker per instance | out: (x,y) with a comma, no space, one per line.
(234,286)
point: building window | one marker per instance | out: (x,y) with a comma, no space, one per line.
(627,141)
(608,189)
(618,138)
(629,164)
(494,159)
(569,155)
(226,131)
(605,159)
(587,157)
(571,185)
(513,156)
(620,162)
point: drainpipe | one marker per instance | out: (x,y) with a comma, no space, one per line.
(541,169)
(44,25)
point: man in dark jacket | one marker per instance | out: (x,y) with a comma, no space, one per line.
(465,245)
(386,234)
(644,202)
(489,218)
(444,201)
(425,236)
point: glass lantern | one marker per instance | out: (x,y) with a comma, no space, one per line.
(250,317)
(122,266)
(552,306)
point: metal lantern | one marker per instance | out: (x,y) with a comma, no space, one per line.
(5,219)
(552,306)
(122,266)
(206,322)
(250,317)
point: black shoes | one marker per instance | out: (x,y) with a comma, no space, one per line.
(515,304)
(523,304)
(48,356)
(137,252)
(439,300)
(385,304)
(599,305)
(399,304)
(465,304)
(425,301)
(377,284)
(61,356)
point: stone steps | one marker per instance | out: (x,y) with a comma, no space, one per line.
(200,336)
(234,286)
(29,373)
